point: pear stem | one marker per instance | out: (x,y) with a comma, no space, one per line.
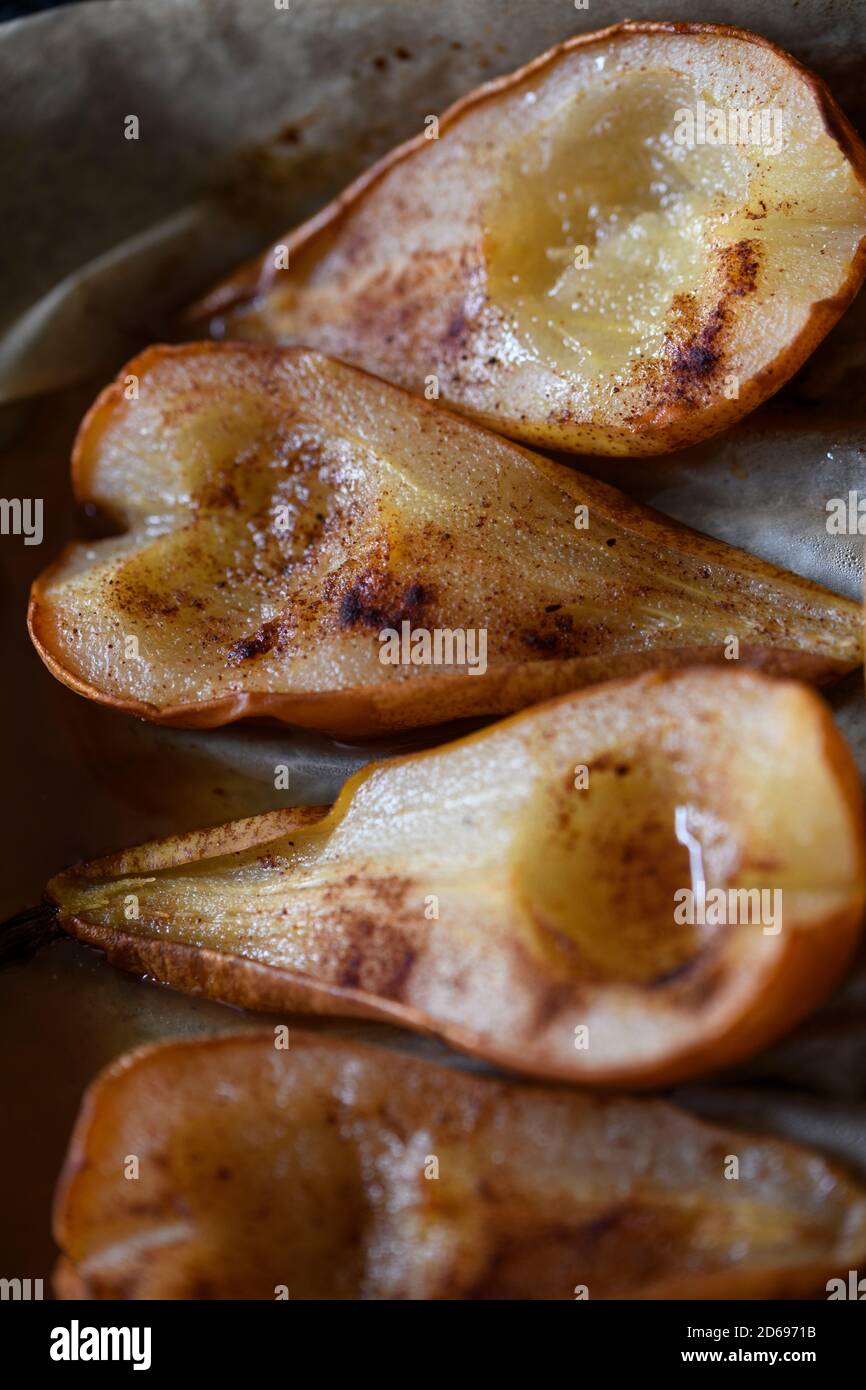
(27,932)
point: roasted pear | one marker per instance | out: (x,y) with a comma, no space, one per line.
(327,1170)
(293,532)
(620,249)
(631,885)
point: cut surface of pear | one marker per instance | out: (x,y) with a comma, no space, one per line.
(521,892)
(286,522)
(328,1170)
(621,248)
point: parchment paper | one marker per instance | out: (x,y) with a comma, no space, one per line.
(249,118)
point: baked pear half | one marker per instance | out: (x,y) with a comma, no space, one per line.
(632,885)
(621,248)
(293,1167)
(299,540)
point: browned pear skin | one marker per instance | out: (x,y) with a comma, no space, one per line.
(710,271)
(517,892)
(308,1172)
(279,514)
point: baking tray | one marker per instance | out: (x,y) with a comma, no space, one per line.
(250,118)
